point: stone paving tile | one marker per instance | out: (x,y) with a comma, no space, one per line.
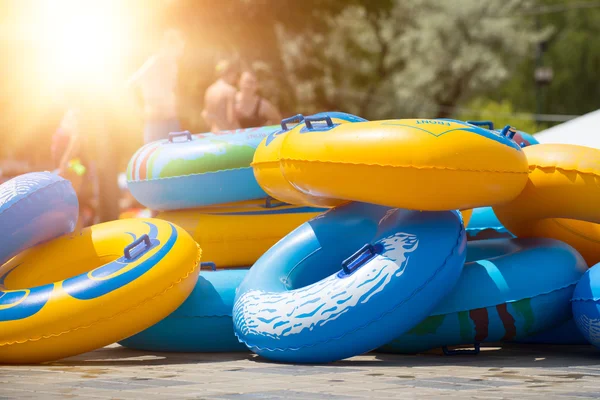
(48,394)
(523,372)
(125,384)
(301,370)
(581,395)
(283,394)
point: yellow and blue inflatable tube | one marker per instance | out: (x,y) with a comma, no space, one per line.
(237,234)
(419,164)
(92,288)
(560,199)
(268,158)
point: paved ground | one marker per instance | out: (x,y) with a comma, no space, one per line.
(515,371)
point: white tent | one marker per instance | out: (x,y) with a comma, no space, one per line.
(584,131)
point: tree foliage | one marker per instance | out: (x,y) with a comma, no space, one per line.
(500,113)
(408,58)
(573,53)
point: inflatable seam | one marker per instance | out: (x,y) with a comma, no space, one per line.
(581,299)
(533,167)
(500,229)
(574,231)
(186,176)
(143,302)
(414,292)
(419,167)
(39,191)
(508,301)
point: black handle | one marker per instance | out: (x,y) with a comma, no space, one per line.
(308,121)
(144,238)
(488,124)
(360,258)
(173,135)
(298,118)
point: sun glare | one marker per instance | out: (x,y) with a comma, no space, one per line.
(81,41)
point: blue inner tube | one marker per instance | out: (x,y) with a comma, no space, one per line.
(202,323)
(586,305)
(566,333)
(485,225)
(314,298)
(35,207)
(509,289)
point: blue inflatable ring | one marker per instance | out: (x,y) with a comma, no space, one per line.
(485,225)
(586,305)
(306,300)
(35,207)
(202,323)
(509,289)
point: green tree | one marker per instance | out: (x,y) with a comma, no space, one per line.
(407,59)
(500,113)
(573,53)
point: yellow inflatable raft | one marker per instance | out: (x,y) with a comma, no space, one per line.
(237,234)
(420,164)
(268,157)
(561,198)
(83,291)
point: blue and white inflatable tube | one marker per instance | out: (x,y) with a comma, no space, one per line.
(34,208)
(202,324)
(348,282)
(586,305)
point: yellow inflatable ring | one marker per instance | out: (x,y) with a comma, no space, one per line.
(267,163)
(236,235)
(466,216)
(86,290)
(561,198)
(419,164)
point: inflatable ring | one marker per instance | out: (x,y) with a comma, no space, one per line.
(560,198)
(136,213)
(523,139)
(498,297)
(586,305)
(238,234)
(267,161)
(310,299)
(187,171)
(566,333)
(35,207)
(84,291)
(466,216)
(438,164)
(202,324)
(484,224)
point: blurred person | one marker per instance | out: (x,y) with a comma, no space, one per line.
(71,162)
(219,97)
(249,109)
(157,79)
